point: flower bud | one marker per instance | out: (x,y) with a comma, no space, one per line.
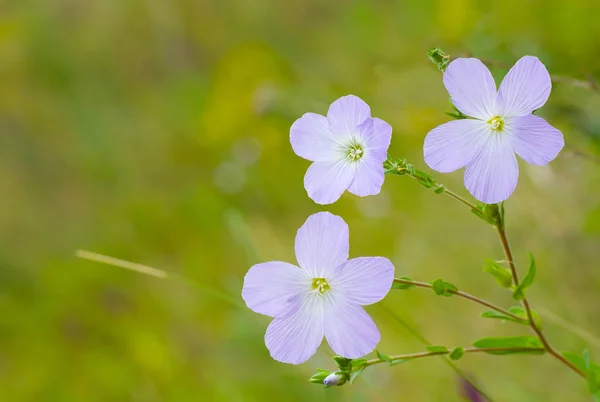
(337,378)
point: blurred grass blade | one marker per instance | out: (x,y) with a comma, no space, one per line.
(143,269)
(158,273)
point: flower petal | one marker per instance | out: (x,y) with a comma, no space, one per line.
(325,182)
(346,113)
(364,280)
(368,178)
(454,144)
(295,337)
(270,287)
(493,175)
(322,244)
(349,330)
(525,88)
(534,140)
(377,135)
(311,139)
(471,87)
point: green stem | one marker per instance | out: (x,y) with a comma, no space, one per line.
(467,296)
(536,329)
(413,356)
(457,197)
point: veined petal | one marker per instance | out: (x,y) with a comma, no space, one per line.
(322,244)
(493,174)
(295,337)
(525,88)
(364,280)
(346,113)
(311,139)
(325,182)
(454,144)
(349,330)
(534,140)
(471,87)
(368,178)
(270,287)
(376,135)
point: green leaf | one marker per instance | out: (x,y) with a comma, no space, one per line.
(591,370)
(356,373)
(443,288)
(591,375)
(399,361)
(520,311)
(510,342)
(456,115)
(501,316)
(440,189)
(342,362)
(457,353)
(527,281)
(403,286)
(437,349)
(494,213)
(319,376)
(439,58)
(500,274)
(423,178)
(480,213)
(383,357)
(579,362)
(357,363)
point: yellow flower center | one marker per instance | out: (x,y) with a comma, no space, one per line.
(355,152)
(320,285)
(496,123)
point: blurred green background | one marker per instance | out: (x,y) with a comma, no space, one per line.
(157,131)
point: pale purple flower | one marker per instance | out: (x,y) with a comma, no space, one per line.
(501,126)
(348,148)
(321,298)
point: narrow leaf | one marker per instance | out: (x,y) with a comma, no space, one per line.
(383,357)
(501,316)
(357,363)
(434,348)
(591,375)
(425,179)
(356,373)
(519,293)
(482,215)
(510,342)
(520,311)
(398,361)
(500,274)
(579,362)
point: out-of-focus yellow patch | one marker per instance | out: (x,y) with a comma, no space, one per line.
(456,18)
(246,80)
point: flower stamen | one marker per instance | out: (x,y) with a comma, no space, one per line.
(496,123)
(320,285)
(355,152)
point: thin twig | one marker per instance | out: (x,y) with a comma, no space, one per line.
(445,359)
(465,295)
(526,306)
(413,356)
